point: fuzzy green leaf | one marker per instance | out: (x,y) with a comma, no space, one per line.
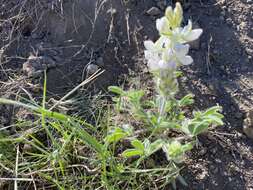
(132,152)
(138,145)
(186,101)
(116,90)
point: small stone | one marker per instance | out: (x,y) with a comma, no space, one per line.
(35,65)
(27,148)
(238,115)
(153,11)
(91,69)
(203,151)
(248,124)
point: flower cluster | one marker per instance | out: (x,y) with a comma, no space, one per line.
(170,50)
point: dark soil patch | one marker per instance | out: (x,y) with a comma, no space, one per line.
(72,34)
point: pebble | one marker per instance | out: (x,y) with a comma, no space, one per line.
(238,115)
(153,11)
(91,69)
(27,148)
(203,151)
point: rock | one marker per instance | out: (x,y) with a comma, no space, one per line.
(203,151)
(91,69)
(238,115)
(248,124)
(35,65)
(153,11)
(27,148)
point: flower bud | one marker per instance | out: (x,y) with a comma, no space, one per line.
(178,15)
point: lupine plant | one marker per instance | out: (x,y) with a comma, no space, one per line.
(123,148)
(163,119)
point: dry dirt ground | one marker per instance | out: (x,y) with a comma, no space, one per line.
(109,34)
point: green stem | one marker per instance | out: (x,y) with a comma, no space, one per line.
(161,108)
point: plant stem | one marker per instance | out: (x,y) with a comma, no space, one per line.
(161,108)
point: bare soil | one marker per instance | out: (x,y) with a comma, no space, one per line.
(110,34)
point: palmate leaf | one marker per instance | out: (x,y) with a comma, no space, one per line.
(202,120)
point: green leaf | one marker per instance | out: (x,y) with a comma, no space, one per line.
(138,145)
(116,90)
(135,96)
(213,110)
(198,127)
(132,152)
(216,120)
(155,146)
(115,136)
(187,100)
(169,125)
(188,146)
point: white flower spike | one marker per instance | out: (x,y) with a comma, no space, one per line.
(170,50)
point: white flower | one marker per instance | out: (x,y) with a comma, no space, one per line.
(161,55)
(163,26)
(155,54)
(185,34)
(181,52)
(162,65)
(178,54)
(190,35)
